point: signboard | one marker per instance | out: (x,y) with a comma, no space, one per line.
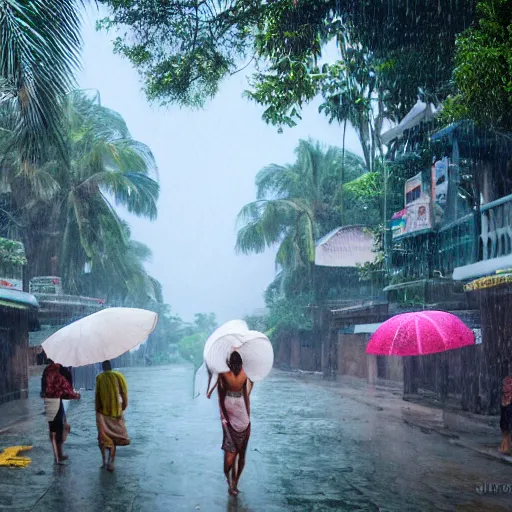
(398,223)
(413,189)
(13,284)
(440,181)
(419,215)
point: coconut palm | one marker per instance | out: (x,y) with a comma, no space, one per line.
(119,276)
(40,43)
(66,206)
(296,204)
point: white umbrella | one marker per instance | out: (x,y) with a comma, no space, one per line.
(254,347)
(104,335)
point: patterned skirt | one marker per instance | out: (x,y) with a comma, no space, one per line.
(111,431)
(234,441)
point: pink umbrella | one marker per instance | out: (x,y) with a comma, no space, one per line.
(421,333)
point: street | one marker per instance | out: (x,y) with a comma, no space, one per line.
(310,450)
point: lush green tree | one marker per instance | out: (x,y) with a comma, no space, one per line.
(296,204)
(205,322)
(66,208)
(483,69)
(411,43)
(182,50)
(40,42)
(191,348)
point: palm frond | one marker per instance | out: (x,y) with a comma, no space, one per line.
(40,44)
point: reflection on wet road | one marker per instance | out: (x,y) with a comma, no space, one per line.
(310,450)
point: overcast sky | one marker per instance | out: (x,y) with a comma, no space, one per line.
(207,162)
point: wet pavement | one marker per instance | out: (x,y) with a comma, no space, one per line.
(311,450)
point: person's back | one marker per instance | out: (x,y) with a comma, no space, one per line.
(111,401)
(234,383)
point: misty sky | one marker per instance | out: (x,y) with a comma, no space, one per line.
(207,162)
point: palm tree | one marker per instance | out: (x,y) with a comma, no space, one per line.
(295,204)
(119,276)
(66,206)
(40,44)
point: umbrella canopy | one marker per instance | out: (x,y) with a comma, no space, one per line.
(104,335)
(254,347)
(421,333)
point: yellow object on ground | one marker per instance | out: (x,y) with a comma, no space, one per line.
(9,457)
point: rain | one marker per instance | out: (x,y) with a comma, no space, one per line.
(255,256)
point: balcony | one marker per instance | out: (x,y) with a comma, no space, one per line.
(470,247)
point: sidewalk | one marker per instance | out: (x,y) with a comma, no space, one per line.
(20,411)
(475,432)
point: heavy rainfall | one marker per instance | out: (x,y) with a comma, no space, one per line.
(255,255)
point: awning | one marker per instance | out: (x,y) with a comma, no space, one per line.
(485,283)
(16,299)
(482,268)
(366,328)
(346,246)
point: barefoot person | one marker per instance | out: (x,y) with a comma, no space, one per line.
(234,389)
(506,415)
(55,387)
(111,400)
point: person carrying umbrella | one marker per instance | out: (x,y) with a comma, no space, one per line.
(55,387)
(111,400)
(234,388)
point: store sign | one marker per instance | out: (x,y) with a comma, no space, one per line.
(419,215)
(440,181)
(399,223)
(12,284)
(413,190)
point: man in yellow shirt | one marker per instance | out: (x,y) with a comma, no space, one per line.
(111,401)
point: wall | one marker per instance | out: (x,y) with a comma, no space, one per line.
(298,351)
(13,355)
(352,359)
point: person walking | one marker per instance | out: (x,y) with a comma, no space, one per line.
(506,415)
(234,389)
(111,400)
(56,386)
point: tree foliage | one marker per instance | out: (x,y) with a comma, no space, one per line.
(483,69)
(182,49)
(40,41)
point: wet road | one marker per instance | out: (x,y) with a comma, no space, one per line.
(310,450)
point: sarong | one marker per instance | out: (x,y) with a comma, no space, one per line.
(55,416)
(238,429)
(111,431)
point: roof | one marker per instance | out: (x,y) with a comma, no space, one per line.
(346,246)
(17,299)
(419,113)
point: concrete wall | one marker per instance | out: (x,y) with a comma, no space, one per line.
(352,359)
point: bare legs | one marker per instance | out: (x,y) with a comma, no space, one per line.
(229,469)
(234,464)
(505,443)
(109,466)
(239,468)
(58,454)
